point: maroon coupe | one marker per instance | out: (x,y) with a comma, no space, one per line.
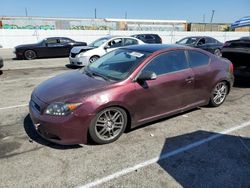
(126,88)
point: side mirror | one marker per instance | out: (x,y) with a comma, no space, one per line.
(106,47)
(147,75)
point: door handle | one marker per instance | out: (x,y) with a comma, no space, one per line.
(189,79)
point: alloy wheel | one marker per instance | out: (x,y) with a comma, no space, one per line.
(220,93)
(30,54)
(110,124)
(218,53)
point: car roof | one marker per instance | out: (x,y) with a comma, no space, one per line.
(57,38)
(151,48)
(116,36)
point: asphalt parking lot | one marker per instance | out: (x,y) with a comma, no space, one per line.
(205,147)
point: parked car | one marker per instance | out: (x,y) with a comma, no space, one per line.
(83,55)
(49,47)
(206,43)
(238,51)
(126,88)
(1,62)
(149,38)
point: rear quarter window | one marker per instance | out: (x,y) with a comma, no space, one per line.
(197,59)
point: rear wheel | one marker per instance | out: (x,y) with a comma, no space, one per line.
(219,94)
(30,54)
(93,59)
(217,52)
(108,125)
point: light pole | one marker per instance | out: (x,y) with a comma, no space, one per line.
(26,12)
(212,17)
(211,21)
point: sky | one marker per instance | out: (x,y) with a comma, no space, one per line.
(226,11)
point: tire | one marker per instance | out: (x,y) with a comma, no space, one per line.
(108,125)
(29,54)
(219,94)
(93,59)
(217,52)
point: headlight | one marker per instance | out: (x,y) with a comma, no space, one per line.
(61,109)
(81,54)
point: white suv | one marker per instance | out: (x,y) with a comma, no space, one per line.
(83,55)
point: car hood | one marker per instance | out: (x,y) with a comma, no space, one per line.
(79,49)
(26,45)
(74,85)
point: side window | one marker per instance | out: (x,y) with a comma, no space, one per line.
(168,62)
(128,41)
(149,37)
(52,41)
(210,41)
(65,40)
(201,42)
(197,59)
(115,43)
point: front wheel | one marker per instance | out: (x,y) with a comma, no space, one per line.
(217,52)
(219,94)
(108,125)
(93,59)
(29,54)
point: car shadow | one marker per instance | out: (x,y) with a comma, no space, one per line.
(72,66)
(35,137)
(1,72)
(153,123)
(207,159)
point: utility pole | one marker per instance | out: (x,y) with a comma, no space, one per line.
(26,12)
(211,21)
(212,17)
(95,13)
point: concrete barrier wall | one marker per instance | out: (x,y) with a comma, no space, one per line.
(12,38)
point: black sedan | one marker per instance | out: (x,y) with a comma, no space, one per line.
(149,38)
(206,43)
(238,52)
(49,47)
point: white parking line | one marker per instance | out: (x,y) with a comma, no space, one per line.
(17,106)
(163,156)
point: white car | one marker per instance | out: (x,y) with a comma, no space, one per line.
(83,55)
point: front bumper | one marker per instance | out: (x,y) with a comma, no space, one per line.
(65,130)
(79,61)
(18,54)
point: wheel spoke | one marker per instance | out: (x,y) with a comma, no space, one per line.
(100,125)
(116,116)
(103,131)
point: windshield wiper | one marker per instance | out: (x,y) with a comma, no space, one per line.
(100,75)
(92,74)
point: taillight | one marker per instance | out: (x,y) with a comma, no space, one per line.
(226,44)
(231,68)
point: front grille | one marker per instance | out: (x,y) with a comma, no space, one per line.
(73,54)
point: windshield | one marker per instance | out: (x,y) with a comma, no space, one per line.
(191,40)
(98,42)
(118,64)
